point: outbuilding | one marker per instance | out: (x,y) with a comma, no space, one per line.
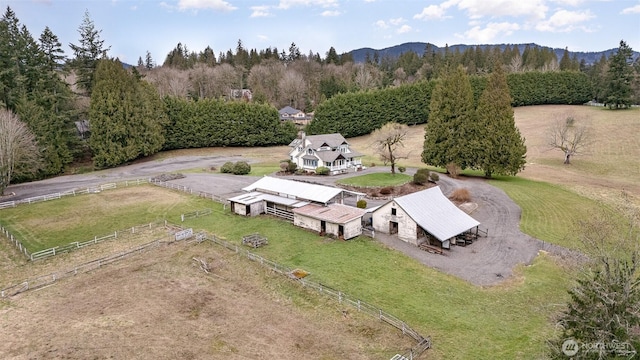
(342,221)
(423,216)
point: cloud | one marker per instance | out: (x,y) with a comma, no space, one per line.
(565,21)
(397,21)
(631,10)
(286,4)
(431,12)
(381,24)
(217,5)
(497,8)
(490,32)
(404,29)
(331,13)
(263,38)
(260,11)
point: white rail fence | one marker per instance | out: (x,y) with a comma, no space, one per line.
(125,233)
(189,190)
(74,192)
(14,241)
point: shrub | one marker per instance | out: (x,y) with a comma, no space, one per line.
(373,164)
(361,204)
(292,167)
(434,176)
(460,195)
(241,168)
(420,178)
(386,190)
(453,170)
(322,170)
(227,168)
(402,169)
(288,166)
(425,172)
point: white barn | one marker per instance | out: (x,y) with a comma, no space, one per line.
(423,216)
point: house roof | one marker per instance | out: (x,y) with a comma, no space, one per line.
(254,197)
(295,189)
(333,213)
(329,156)
(333,140)
(435,213)
(288,110)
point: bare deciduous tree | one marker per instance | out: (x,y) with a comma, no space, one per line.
(388,140)
(18,150)
(292,87)
(569,137)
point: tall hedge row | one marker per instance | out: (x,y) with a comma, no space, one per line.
(355,114)
(211,122)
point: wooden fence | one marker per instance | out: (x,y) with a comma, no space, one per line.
(195,214)
(74,192)
(49,279)
(189,190)
(14,241)
(42,254)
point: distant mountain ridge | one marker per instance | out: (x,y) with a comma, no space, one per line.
(359,55)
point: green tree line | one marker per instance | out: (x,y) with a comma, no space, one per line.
(359,113)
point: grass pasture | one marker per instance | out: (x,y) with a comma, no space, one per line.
(54,223)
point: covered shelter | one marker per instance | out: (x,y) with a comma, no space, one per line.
(342,221)
(423,216)
(279,197)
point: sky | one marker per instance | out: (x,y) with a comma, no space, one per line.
(132,27)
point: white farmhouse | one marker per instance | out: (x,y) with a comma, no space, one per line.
(329,150)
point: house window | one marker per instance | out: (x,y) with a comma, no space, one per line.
(310,151)
(393,211)
(309,162)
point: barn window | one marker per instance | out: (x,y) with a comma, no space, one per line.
(393,211)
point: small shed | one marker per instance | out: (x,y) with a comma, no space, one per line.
(343,221)
(255,203)
(423,216)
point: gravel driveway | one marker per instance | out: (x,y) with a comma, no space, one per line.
(488,261)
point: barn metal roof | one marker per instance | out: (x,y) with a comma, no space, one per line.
(254,197)
(294,189)
(435,213)
(333,213)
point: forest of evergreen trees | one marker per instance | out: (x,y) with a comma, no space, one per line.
(187,101)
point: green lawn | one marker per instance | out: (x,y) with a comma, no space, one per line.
(59,222)
(551,212)
(377,179)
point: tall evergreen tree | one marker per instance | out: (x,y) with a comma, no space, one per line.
(52,49)
(620,77)
(87,53)
(502,149)
(451,133)
(148,61)
(126,116)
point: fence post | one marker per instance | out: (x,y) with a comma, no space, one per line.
(182,217)
(115,234)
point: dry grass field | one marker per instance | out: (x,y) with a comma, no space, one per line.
(609,171)
(161,305)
